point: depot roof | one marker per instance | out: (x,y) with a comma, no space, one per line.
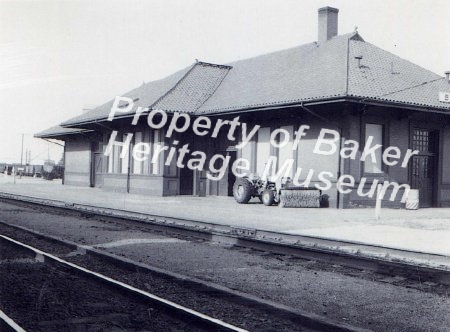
(58,131)
(345,66)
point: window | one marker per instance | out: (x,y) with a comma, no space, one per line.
(424,140)
(285,152)
(124,162)
(113,160)
(151,138)
(247,153)
(262,150)
(137,165)
(376,132)
(156,140)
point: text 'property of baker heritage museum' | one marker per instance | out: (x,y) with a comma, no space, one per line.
(391,115)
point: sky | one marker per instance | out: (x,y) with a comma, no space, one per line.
(59,57)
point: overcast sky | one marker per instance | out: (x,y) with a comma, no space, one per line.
(57,57)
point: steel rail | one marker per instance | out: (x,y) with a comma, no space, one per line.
(311,320)
(350,254)
(223,326)
(10,323)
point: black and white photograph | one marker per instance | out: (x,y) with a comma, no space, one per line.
(242,165)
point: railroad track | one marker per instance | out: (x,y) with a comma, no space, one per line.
(9,325)
(52,268)
(383,269)
(353,255)
(254,313)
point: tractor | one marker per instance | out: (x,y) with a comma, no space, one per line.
(247,187)
(281,192)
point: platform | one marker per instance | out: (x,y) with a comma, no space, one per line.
(425,231)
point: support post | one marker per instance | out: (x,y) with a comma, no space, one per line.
(378,202)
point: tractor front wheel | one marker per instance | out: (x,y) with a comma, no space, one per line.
(243,191)
(268,197)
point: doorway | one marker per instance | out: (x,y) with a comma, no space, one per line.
(231,176)
(424,165)
(186,181)
(96,170)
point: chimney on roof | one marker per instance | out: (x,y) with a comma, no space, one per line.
(328,23)
(447,76)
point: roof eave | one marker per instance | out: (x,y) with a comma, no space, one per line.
(339,99)
(419,108)
(62,135)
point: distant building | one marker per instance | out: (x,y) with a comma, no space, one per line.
(340,82)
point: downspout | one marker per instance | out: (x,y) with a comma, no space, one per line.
(338,195)
(64,174)
(129,168)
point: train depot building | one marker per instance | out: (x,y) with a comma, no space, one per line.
(377,116)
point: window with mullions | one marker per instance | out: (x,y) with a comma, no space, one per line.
(118,165)
(156,141)
(423,140)
(138,165)
(374,165)
(151,138)
(125,153)
(114,159)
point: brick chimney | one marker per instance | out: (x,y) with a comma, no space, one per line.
(328,23)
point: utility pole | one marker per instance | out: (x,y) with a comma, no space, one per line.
(21,153)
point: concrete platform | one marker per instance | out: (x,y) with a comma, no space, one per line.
(425,231)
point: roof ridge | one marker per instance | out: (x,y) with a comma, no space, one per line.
(408,88)
(81,118)
(200,72)
(355,36)
(349,36)
(399,57)
(214,64)
(314,43)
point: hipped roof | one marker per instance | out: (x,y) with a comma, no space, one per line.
(310,72)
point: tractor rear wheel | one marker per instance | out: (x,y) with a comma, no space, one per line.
(242,191)
(268,197)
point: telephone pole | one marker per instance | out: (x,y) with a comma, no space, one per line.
(21,153)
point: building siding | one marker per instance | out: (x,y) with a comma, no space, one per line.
(77,161)
(350,120)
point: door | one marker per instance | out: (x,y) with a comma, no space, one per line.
(96,170)
(231,176)
(186,181)
(424,165)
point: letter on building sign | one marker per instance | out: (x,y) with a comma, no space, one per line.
(327,141)
(123,109)
(112,142)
